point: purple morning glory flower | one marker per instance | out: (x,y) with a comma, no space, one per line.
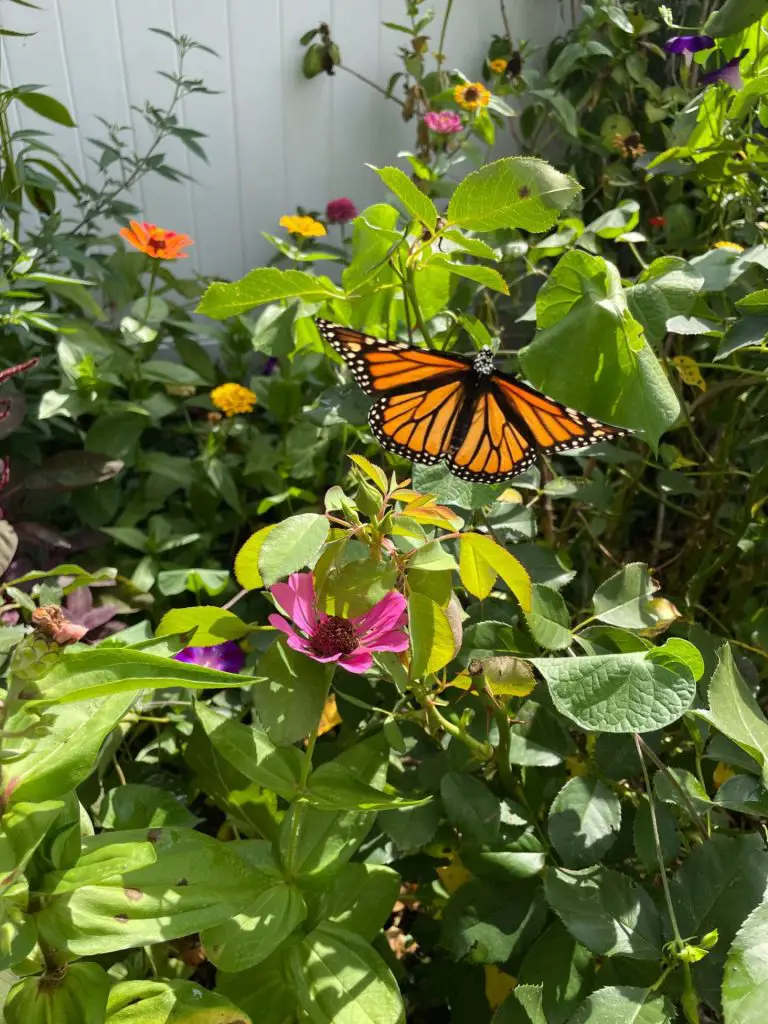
(688,44)
(226,657)
(727,73)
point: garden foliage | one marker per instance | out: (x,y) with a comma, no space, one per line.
(295,731)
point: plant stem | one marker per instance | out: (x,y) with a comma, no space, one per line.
(505,19)
(151,289)
(441,44)
(482,751)
(671,778)
(373,85)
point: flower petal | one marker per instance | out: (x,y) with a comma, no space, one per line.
(358,661)
(394,640)
(297,599)
(282,624)
(389,612)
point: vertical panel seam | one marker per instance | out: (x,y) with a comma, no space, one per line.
(68,85)
(189,183)
(239,170)
(124,64)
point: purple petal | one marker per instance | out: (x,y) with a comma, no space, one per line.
(394,640)
(297,599)
(358,661)
(389,612)
(688,44)
(226,657)
(729,73)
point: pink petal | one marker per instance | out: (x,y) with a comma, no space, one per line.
(384,615)
(358,661)
(282,624)
(298,643)
(394,640)
(297,599)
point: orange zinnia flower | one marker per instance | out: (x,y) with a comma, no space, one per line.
(156,242)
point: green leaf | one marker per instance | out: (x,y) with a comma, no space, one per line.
(291,545)
(718,886)
(486,276)
(410,827)
(78,997)
(360,898)
(745,983)
(548,619)
(744,793)
(432,640)
(334,787)
(252,752)
(56,762)
(562,967)
(470,806)
(747,332)
(624,1005)
(489,922)
(195,882)
(735,712)
(538,737)
(247,559)
(482,560)
(636,692)
(261,991)
(82,674)
(531,998)
(614,375)
(471,245)
(584,821)
(516,192)
(170,1002)
(67,471)
(616,222)
(290,700)
(734,16)
(606,912)
(645,844)
(262,285)
(339,979)
(624,598)
(211,625)
(136,805)
(46,106)
(418,205)
(450,490)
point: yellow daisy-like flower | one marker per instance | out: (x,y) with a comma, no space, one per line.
(730,246)
(233,399)
(307,227)
(498,66)
(472,96)
(722,773)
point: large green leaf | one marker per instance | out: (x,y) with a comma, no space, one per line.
(360,898)
(734,16)
(432,640)
(170,1002)
(538,738)
(562,967)
(718,886)
(211,625)
(623,600)
(624,1005)
(334,786)
(548,619)
(606,912)
(745,983)
(611,373)
(418,205)
(260,991)
(637,692)
(490,921)
(734,710)
(339,979)
(262,285)
(292,545)
(470,806)
(79,996)
(516,192)
(584,821)
(290,700)
(252,752)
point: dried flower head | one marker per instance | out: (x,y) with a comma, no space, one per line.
(51,621)
(629,145)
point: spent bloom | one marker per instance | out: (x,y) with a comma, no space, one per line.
(729,73)
(340,211)
(156,242)
(226,657)
(233,399)
(446,122)
(498,66)
(730,246)
(629,145)
(472,96)
(307,227)
(332,638)
(688,44)
(657,221)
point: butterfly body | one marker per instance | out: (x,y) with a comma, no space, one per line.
(435,406)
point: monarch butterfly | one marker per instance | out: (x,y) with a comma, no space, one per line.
(435,406)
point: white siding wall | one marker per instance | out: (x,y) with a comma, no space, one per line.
(274,140)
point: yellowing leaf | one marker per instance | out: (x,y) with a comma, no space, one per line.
(432,641)
(330,717)
(435,515)
(481,560)
(511,496)
(498,985)
(378,476)
(247,559)
(689,372)
(453,875)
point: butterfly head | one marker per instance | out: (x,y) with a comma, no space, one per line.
(483,362)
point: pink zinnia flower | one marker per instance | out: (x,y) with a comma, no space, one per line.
(444,123)
(350,642)
(340,211)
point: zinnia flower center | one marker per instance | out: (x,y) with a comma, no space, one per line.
(470,94)
(334,635)
(156,244)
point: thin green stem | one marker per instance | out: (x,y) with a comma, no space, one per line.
(482,751)
(695,816)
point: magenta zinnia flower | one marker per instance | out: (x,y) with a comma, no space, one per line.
(226,657)
(350,642)
(446,122)
(340,211)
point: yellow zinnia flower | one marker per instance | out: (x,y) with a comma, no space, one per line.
(472,96)
(233,398)
(730,246)
(307,227)
(498,66)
